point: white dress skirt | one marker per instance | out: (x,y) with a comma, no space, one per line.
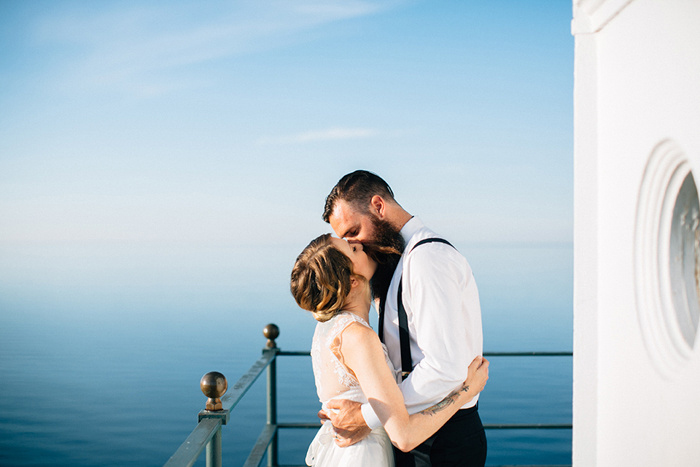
(335,381)
(373,451)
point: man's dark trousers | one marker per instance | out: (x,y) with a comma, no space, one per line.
(460,442)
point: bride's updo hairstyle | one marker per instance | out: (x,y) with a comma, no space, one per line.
(321,278)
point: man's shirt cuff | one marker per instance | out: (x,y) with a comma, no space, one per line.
(370,417)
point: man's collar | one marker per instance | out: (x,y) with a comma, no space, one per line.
(410,228)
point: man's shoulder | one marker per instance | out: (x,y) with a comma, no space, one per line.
(420,234)
(427,243)
(434,255)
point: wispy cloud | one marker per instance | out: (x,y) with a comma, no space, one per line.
(330,134)
(144,46)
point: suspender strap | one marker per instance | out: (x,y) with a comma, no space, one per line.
(382,306)
(404,336)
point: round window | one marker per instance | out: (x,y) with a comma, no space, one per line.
(667,257)
(683,257)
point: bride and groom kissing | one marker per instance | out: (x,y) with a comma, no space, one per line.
(406,395)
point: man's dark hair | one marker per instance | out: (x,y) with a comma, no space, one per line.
(357,189)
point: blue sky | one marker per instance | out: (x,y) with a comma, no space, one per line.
(187,141)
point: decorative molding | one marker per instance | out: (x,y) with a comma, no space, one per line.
(591,16)
(656,278)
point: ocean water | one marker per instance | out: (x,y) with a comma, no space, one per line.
(102,349)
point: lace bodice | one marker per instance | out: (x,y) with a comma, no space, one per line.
(333,379)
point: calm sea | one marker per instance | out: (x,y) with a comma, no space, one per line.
(102,349)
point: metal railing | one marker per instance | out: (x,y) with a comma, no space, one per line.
(207,433)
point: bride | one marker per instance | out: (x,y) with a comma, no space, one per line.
(331,280)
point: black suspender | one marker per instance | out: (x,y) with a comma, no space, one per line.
(404,338)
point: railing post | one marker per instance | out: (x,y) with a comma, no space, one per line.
(214,450)
(214,385)
(271,332)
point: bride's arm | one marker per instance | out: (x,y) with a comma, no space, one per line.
(363,354)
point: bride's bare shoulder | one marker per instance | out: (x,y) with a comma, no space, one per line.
(358,337)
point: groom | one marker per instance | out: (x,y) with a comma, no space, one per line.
(430,320)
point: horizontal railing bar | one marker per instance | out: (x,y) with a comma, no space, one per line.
(294,353)
(513,465)
(533,426)
(192,447)
(565,353)
(299,425)
(239,389)
(492,426)
(529,354)
(258,451)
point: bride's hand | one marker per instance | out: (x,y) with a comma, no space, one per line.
(477,375)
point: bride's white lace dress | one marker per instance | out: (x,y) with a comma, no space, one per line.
(335,381)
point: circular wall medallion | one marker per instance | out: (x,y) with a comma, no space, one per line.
(667,257)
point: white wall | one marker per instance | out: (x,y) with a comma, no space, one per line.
(637,85)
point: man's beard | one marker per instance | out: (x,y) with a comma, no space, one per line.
(385,249)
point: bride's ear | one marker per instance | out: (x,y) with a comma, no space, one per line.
(357,281)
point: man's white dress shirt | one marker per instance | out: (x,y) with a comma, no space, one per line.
(444,320)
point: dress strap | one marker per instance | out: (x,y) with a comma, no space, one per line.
(345,319)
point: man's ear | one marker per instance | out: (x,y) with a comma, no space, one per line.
(377,206)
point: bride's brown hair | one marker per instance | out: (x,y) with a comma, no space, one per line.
(321,278)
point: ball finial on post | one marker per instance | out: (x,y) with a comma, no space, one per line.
(271,331)
(214,385)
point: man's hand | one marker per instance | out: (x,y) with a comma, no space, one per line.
(346,417)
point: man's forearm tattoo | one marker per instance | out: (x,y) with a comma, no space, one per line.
(446,402)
